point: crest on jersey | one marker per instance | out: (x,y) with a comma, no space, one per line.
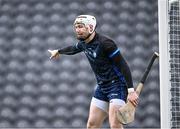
(94,54)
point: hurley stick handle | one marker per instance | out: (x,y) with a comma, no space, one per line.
(139,88)
(155,55)
(144,77)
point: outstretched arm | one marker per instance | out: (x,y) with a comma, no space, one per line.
(70,50)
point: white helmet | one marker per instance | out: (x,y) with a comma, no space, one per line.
(87,20)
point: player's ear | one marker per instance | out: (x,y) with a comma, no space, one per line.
(90,28)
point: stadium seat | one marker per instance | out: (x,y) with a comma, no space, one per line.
(77,123)
(46,101)
(64,100)
(82,99)
(41,123)
(150,122)
(5,124)
(9,101)
(7,113)
(62,112)
(22,123)
(43,114)
(28,101)
(59,123)
(12,78)
(25,113)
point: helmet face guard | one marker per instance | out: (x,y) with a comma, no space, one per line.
(88,20)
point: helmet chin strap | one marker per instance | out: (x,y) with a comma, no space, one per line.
(88,36)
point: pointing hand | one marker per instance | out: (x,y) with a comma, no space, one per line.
(54,54)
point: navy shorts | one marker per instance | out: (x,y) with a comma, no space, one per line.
(114,90)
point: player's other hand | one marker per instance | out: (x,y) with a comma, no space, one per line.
(54,54)
(133,98)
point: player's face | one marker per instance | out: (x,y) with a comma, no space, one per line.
(81,31)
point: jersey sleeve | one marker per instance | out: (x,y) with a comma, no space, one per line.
(113,52)
(110,48)
(71,50)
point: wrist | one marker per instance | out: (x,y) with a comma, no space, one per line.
(130,90)
(59,51)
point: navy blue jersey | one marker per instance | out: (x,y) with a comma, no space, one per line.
(105,59)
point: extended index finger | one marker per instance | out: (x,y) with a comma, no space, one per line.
(50,51)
